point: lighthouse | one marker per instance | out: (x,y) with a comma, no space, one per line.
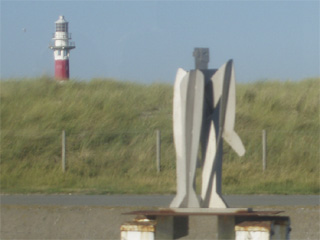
(61,49)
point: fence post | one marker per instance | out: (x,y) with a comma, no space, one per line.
(264,149)
(63,151)
(158,144)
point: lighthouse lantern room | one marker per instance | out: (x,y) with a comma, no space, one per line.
(61,49)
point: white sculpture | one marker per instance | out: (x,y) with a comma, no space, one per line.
(203,110)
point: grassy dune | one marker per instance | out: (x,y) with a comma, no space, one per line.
(110,127)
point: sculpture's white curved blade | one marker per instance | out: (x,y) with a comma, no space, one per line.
(229,135)
(195,98)
(224,90)
(233,139)
(208,162)
(188,107)
(209,195)
(179,110)
(179,135)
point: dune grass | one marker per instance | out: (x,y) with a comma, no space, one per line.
(110,127)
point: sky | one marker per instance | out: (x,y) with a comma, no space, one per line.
(147,41)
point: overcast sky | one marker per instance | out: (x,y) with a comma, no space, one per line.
(146,41)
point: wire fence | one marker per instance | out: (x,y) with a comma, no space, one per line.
(77,150)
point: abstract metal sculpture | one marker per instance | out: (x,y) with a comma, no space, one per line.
(203,111)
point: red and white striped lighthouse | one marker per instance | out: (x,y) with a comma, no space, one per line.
(61,49)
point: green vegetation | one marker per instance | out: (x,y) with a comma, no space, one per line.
(110,127)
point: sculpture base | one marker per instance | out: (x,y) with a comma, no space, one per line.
(173,223)
(210,211)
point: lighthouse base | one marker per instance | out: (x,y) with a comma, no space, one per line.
(62,69)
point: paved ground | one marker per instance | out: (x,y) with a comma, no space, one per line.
(100,217)
(154,200)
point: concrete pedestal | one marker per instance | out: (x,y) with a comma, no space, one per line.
(232,223)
